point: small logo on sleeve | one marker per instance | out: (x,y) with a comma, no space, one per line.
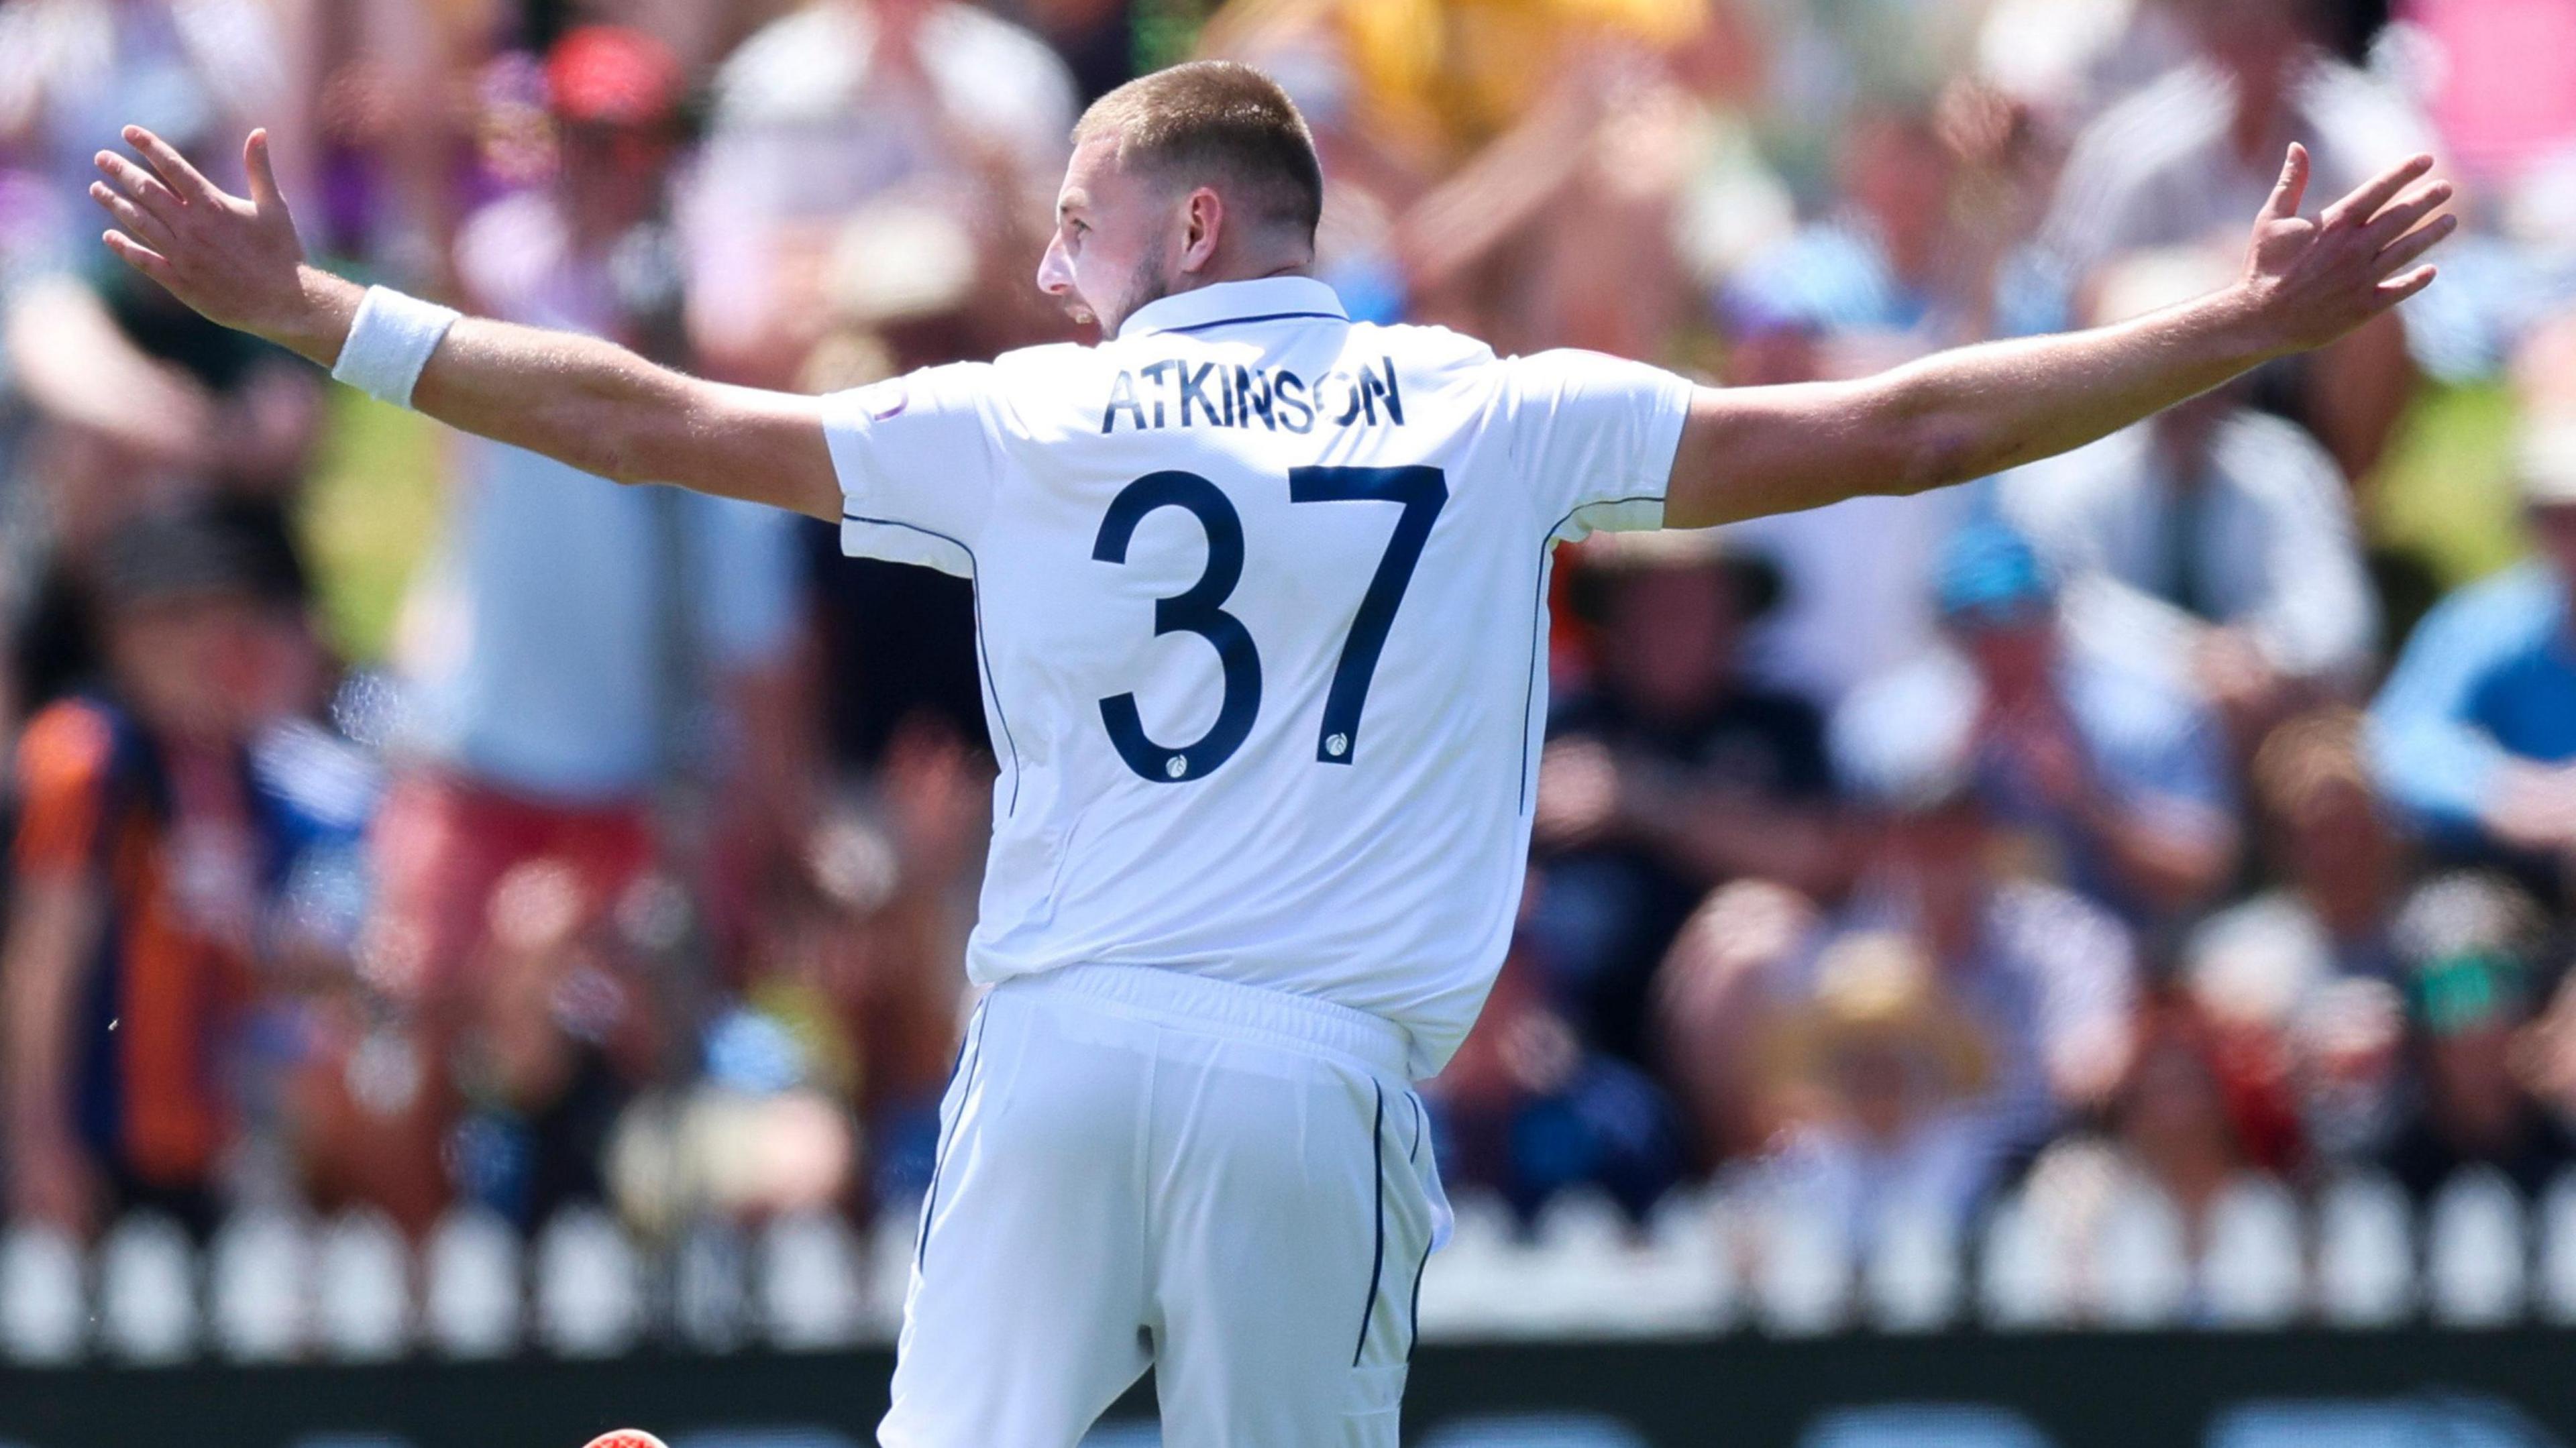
(884,400)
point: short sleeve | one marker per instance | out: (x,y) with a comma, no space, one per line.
(1595,436)
(919,460)
(62,767)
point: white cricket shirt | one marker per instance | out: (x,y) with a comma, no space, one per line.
(1261,598)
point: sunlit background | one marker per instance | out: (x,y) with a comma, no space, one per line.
(2077,959)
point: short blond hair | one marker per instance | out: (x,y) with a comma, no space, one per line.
(1216,120)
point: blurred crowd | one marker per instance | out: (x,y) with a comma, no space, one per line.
(2163,816)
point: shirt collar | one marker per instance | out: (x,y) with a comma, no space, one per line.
(1263,300)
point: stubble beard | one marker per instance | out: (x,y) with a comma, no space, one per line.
(1149,285)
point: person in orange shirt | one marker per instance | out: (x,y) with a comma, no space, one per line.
(141,856)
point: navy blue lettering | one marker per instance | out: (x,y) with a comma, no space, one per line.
(1194,385)
(1358,399)
(1370,391)
(1251,395)
(1422,492)
(1200,610)
(1158,373)
(1122,393)
(1304,421)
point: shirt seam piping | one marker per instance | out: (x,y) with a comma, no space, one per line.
(1238,321)
(992,685)
(1538,605)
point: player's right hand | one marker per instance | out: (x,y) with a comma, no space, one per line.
(234,259)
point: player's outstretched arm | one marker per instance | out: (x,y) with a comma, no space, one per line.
(1978,410)
(587,402)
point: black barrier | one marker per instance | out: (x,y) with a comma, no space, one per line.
(2503,1389)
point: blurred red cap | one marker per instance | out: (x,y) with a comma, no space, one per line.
(612,76)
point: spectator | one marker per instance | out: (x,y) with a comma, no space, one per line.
(841,102)
(2115,780)
(1536,200)
(2346,1047)
(1880,964)
(2193,1124)
(2475,733)
(1097,39)
(2550,1052)
(2467,944)
(1896,270)
(2199,1109)
(2186,160)
(144,869)
(2223,537)
(2192,155)
(2303,975)
(564,1029)
(1670,775)
(137,409)
(2068,60)
(2049,979)
(868,158)
(1886,1072)
(1716,1003)
(143,404)
(161,398)
(1528,1108)
(562,643)
(74,71)
(140,406)
(1911,259)
(2340,866)
(860,951)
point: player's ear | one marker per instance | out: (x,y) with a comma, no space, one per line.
(1203,221)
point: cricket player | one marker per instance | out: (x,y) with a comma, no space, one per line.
(1262,613)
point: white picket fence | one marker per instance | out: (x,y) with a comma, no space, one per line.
(275,1286)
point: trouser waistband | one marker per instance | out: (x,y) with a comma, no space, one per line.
(1231,1007)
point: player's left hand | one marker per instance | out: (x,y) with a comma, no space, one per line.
(2310,281)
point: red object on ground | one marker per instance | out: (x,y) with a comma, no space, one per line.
(626,1438)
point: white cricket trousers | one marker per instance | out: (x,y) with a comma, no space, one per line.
(1140,1166)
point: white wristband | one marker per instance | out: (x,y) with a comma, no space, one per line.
(390,341)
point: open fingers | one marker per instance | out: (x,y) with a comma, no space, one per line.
(173,168)
(138,256)
(142,186)
(2398,288)
(2292,187)
(2402,215)
(130,216)
(2365,201)
(261,171)
(2398,254)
